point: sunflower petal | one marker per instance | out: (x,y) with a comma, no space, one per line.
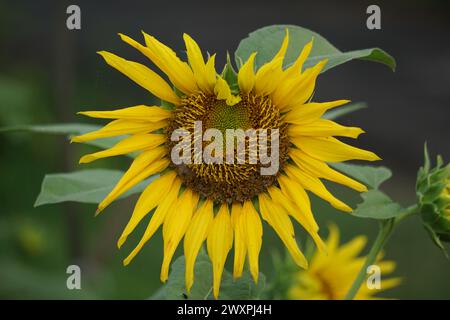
(137,113)
(219,242)
(143,76)
(329,149)
(223,92)
(268,77)
(179,72)
(145,165)
(195,235)
(240,243)
(292,209)
(148,200)
(353,248)
(293,190)
(311,111)
(296,91)
(175,225)
(130,144)
(157,218)
(275,215)
(246,75)
(321,170)
(120,127)
(323,128)
(296,68)
(314,185)
(198,65)
(253,231)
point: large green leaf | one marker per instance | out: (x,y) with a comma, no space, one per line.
(86,186)
(68,129)
(267,41)
(241,289)
(377,205)
(371,176)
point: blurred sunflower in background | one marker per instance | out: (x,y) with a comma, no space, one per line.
(222,203)
(330,276)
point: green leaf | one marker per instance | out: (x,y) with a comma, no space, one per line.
(240,289)
(377,205)
(85,186)
(267,41)
(436,240)
(69,129)
(339,112)
(371,176)
(230,75)
(56,128)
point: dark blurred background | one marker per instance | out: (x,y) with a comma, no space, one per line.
(48,73)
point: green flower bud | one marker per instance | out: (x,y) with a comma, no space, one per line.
(433,192)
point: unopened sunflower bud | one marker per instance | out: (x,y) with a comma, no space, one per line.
(433,192)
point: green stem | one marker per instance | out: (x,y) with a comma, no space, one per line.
(386,228)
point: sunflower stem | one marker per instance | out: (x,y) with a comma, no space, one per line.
(386,229)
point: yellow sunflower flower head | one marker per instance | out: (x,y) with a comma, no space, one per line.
(222,203)
(331,275)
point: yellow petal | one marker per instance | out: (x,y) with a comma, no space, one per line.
(387,267)
(130,144)
(329,149)
(219,242)
(283,48)
(145,165)
(166,205)
(195,235)
(179,72)
(148,200)
(314,185)
(210,73)
(137,113)
(333,238)
(292,209)
(311,111)
(303,92)
(296,91)
(223,92)
(296,67)
(253,231)
(268,77)
(389,283)
(175,225)
(240,242)
(275,215)
(120,127)
(246,75)
(323,128)
(143,76)
(321,170)
(198,65)
(294,191)
(353,248)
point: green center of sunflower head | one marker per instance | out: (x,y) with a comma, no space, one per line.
(223,117)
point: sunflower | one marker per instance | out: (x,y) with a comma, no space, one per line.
(329,277)
(220,203)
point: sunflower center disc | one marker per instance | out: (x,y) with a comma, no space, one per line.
(226,182)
